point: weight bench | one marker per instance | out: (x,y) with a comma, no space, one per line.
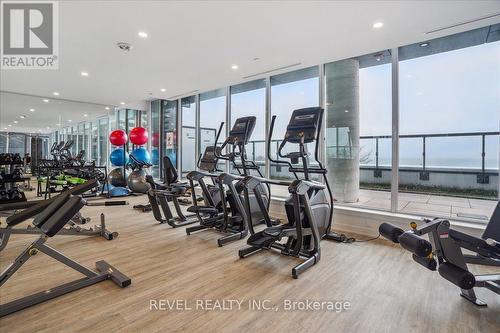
(50,222)
(36,207)
(444,252)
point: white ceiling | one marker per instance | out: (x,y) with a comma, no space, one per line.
(192,44)
(47,116)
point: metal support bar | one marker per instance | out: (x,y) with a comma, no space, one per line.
(267,163)
(395,129)
(423,153)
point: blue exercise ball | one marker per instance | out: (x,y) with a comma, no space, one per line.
(155,157)
(141,154)
(116,157)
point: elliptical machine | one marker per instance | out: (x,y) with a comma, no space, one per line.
(231,197)
(309,208)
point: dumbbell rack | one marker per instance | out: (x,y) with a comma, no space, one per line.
(8,184)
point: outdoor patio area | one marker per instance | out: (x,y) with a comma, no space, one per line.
(421,204)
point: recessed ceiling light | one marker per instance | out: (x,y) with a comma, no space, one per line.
(22,116)
(48,127)
(58,124)
(15,121)
(106,108)
(32,110)
(378,25)
(85,115)
(5,128)
(9,125)
(424,44)
(142,34)
(69,120)
(55,93)
(163,89)
(84,74)
(234,67)
(122,103)
(46,100)
(346,111)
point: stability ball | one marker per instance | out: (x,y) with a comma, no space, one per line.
(116,157)
(136,181)
(115,177)
(141,154)
(118,138)
(139,136)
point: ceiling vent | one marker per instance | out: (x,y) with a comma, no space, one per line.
(464,23)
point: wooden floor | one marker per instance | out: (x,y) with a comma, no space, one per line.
(386,290)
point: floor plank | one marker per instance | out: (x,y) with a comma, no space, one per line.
(386,290)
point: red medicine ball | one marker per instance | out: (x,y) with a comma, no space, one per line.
(138,136)
(118,138)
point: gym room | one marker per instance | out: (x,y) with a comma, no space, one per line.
(250,166)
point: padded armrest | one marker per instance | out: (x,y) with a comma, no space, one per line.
(59,219)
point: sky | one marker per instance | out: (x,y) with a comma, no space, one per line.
(455,91)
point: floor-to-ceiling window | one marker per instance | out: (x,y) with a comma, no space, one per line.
(86,140)
(81,133)
(169,128)
(449,124)
(17,143)
(103,141)
(358,130)
(212,114)
(143,119)
(290,91)
(188,135)
(121,116)
(3,142)
(249,99)
(131,119)
(155,137)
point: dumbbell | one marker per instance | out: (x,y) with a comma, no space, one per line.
(8,158)
(16,174)
(17,158)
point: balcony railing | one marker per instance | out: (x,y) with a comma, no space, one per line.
(482,174)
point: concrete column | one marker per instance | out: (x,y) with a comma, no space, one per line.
(342,128)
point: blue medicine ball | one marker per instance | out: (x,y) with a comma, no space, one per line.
(155,157)
(142,154)
(116,157)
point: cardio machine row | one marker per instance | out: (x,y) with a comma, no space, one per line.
(237,205)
